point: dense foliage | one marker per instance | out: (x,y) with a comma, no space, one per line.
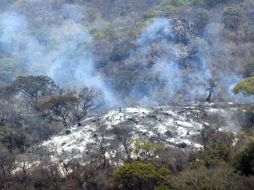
(138,175)
(244,160)
(246,87)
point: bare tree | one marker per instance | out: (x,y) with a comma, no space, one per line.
(10,114)
(7,165)
(71,106)
(7,92)
(60,106)
(85,102)
(12,139)
(210,89)
(123,135)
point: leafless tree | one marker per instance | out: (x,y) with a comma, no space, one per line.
(85,102)
(7,165)
(71,106)
(12,139)
(123,135)
(60,106)
(10,114)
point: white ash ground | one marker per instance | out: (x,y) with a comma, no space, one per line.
(173,126)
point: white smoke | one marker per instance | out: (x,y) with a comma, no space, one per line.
(52,38)
(61,50)
(183,69)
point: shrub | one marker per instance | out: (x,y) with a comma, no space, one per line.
(231,17)
(230,11)
(244,161)
(198,3)
(215,156)
(139,175)
(211,3)
(167,8)
(12,139)
(147,150)
(201,20)
(181,2)
(121,51)
(217,148)
(204,179)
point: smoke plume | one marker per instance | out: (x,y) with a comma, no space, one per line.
(46,37)
(184,64)
(51,41)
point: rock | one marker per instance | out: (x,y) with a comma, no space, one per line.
(154,139)
(144,133)
(67,132)
(169,134)
(182,145)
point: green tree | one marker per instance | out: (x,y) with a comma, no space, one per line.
(34,87)
(246,87)
(140,176)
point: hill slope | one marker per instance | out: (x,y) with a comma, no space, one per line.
(118,130)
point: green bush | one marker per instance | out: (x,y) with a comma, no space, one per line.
(246,87)
(178,3)
(201,20)
(204,179)
(231,17)
(230,11)
(244,161)
(212,157)
(139,175)
(147,150)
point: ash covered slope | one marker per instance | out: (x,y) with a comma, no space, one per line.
(116,130)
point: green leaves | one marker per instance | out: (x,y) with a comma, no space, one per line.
(244,162)
(246,87)
(139,175)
